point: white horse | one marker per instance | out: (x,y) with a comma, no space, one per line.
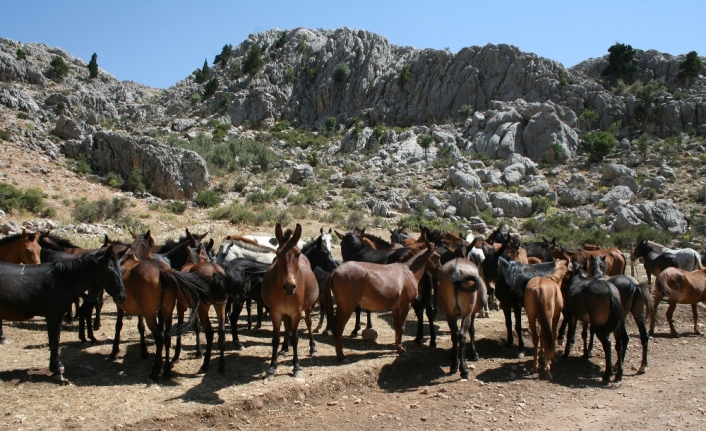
(688,259)
(269,241)
(234,247)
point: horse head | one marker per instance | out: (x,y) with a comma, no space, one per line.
(326,238)
(319,256)
(109,275)
(30,248)
(288,258)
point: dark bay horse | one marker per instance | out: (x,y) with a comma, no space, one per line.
(462,293)
(48,289)
(544,302)
(288,288)
(246,276)
(679,287)
(597,302)
(379,287)
(22,248)
(654,262)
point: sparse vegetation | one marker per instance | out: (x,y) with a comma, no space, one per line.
(175,207)
(253,60)
(621,61)
(210,88)
(201,75)
(341,73)
(425,140)
(224,56)
(207,199)
(281,40)
(405,73)
(86,211)
(134,182)
(588,118)
(59,69)
(598,145)
(21,55)
(690,68)
(93,66)
(4,135)
(465,111)
(290,75)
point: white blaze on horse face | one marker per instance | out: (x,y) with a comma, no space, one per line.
(327,240)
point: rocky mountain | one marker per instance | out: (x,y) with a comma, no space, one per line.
(477,105)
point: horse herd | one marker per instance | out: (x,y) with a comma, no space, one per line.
(287,277)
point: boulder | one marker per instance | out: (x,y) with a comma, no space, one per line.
(67,128)
(381,209)
(621,194)
(660,214)
(656,183)
(464,177)
(356,141)
(572,197)
(628,182)
(512,204)
(352,181)
(10,228)
(469,203)
(433,203)
(667,172)
(614,171)
(168,172)
(539,188)
(18,99)
(514,174)
(490,177)
(301,173)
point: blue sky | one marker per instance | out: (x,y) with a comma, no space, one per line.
(158,43)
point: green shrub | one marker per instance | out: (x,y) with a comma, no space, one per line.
(621,61)
(341,72)
(465,111)
(201,75)
(194,99)
(556,154)
(86,211)
(700,195)
(405,73)
(21,55)
(219,131)
(690,68)
(4,135)
(330,125)
(588,118)
(280,192)
(311,193)
(59,69)
(210,88)
(444,157)
(282,125)
(114,180)
(224,56)
(312,74)
(134,182)
(425,142)
(93,66)
(207,199)
(598,144)
(312,159)
(82,165)
(356,219)
(540,204)
(290,75)
(224,103)
(176,207)
(259,198)
(253,61)
(281,40)
(234,213)
(9,197)
(627,239)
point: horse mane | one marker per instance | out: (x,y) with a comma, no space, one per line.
(12,238)
(413,250)
(310,244)
(434,236)
(377,240)
(559,272)
(657,248)
(62,242)
(171,244)
(73,266)
(141,248)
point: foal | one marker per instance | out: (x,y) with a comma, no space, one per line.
(544,302)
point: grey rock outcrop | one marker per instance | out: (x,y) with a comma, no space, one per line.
(18,99)
(511,204)
(67,128)
(434,204)
(660,214)
(572,197)
(490,177)
(539,188)
(514,174)
(469,203)
(301,173)
(170,173)
(656,183)
(620,194)
(614,171)
(462,176)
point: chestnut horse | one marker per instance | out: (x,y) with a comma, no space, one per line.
(614,259)
(544,302)
(288,288)
(379,287)
(21,248)
(462,293)
(679,287)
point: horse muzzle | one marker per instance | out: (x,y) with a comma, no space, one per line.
(289,288)
(120,298)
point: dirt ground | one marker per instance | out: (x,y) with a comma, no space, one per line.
(377,388)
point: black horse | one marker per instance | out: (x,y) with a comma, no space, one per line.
(597,302)
(512,278)
(48,289)
(322,263)
(246,276)
(655,262)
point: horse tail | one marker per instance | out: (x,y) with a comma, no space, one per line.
(188,286)
(545,321)
(328,301)
(662,285)
(615,316)
(699,265)
(644,294)
(626,256)
(467,283)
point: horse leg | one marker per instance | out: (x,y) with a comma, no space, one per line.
(167,326)
(118,328)
(3,339)
(518,329)
(322,312)
(343,314)
(82,324)
(221,320)
(312,344)
(419,312)
(644,339)
(621,347)
(562,329)
(356,328)
(605,342)
(695,312)
(198,338)
(294,338)
(584,337)
(208,332)
(369,315)
(234,316)
(248,308)
(657,300)
(276,322)
(99,308)
(455,354)
(670,314)
(532,321)
(570,336)
(54,332)
(286,339)
(261,308)
(402,312)
(466,323)
(143,344)
(158,333)
(431,314)
(508,325)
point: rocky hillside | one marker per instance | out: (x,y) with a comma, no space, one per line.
(340,125)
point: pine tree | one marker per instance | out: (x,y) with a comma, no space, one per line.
(93,66)
(690,68)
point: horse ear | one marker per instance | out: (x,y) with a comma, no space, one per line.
(134,235)
(297,234)
(108,253)
(189,235)
(106,240)
(44,234)
(120,254)
(329,230)
(211,242)
(338,234)
(362,231)
(279,234)
(321,231)
(24,234)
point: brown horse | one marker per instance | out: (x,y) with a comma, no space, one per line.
(153,287)
(462,293)
(614,259)
(515,252)
(199,263)
(288,288)
(591,247)
(544,302)
(21,248)
(379,287)
(680,287)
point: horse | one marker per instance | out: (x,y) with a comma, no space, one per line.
(512,278)
(462,293)
(246,277)
(233,247)
(541,250)
(326,238)
(544,302)
(48,289)
(399,236)
(288,288)
(679,287)
(200,263)
(174,253)
(597,302)
(655,262)
(688,259)
(22,248)
(614,259)
(322,264)
(379,287)
(152,289)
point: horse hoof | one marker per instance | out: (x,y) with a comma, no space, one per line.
(298,374)
(474,357)
(606,379)
(198,355)
(675,334)
(418,340)
(642,369)
(432,343)
(520,355)
(453,370)
(464,375)
(4,340)
(59,378)
(343,360)
(154,377)
(281,355)
(549,375)
(270,375)
(238,345)
(313,353)
(201,370)
(328,333)
(652,332)
(221,370)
